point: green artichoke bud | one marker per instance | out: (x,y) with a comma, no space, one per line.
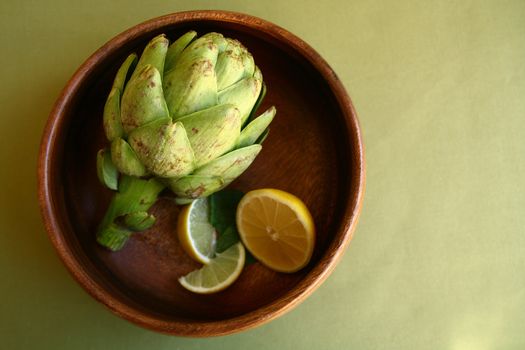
(182,114)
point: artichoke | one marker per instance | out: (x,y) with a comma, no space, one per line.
(180,117)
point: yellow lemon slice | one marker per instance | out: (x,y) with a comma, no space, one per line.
(277,228)
(218,274)
(196,235)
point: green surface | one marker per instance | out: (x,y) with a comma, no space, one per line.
(438,259)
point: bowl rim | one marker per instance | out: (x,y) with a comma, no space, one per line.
(266,313)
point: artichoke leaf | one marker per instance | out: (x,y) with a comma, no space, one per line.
(261,97)
(195,186)
(143,99)
(249,64)
(175,49)
(163,147)
(243,95)
(106,171)
(182,201)
(251,133)
(257,104)
(191,85)
(154,55)
(257,74)
(233,64)
(218,39)
(125,159)
(111,116)
(230,165)
(125,71)
(212,132)
(263,136)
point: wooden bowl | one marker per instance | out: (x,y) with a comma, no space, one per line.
(314,151)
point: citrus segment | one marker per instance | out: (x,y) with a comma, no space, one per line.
(218,274)
(196,235)
(277,228)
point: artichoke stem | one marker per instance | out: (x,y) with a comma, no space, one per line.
(134,195)
(113,237)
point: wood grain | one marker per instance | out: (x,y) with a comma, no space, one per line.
(314,151)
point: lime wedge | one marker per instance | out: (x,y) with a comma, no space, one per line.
(218,274)
(196,235)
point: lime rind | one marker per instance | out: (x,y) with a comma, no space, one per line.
(221,272)
(200,233)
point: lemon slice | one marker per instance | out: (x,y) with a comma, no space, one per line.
(277,228)
(218,274)
(196,235)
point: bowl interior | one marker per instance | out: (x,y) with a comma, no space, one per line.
(308,152)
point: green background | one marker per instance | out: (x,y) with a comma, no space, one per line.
(438,259)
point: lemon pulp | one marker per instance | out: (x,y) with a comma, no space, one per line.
(277,228)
